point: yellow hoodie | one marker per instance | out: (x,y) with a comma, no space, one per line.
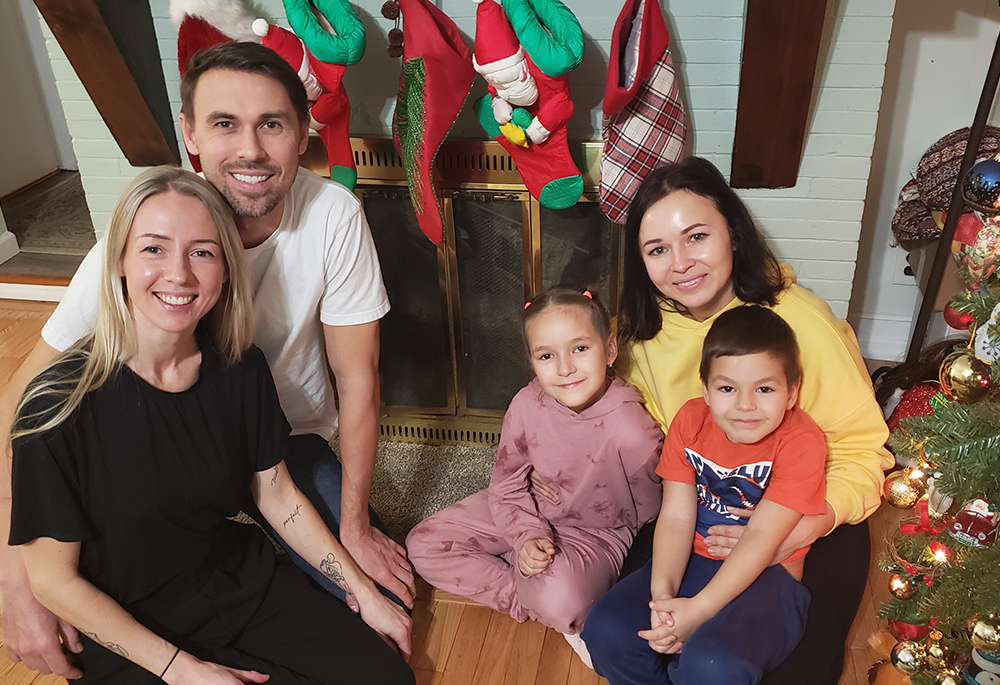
(836,391)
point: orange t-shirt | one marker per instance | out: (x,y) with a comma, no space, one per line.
(786,467)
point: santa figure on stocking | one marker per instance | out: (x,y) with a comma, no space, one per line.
(525,66)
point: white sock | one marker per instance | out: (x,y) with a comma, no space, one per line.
(580,647)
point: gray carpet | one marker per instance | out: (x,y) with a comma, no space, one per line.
(414,481)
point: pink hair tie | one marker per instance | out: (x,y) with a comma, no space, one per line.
(586,293)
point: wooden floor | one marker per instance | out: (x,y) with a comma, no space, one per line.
(455,642)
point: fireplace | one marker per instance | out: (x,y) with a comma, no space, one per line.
(451,354)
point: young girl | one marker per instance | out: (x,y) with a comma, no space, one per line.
(588,437)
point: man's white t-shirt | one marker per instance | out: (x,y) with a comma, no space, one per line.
(318,267)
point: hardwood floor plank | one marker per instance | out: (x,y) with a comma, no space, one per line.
(440,637)
(526,654)
(468,647)
(425,677)
(497,648)
(553,666)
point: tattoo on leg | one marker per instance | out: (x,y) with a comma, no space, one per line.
(110,646)
(332,569)
(291,517)
(274,478)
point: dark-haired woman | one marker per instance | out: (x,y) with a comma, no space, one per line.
(692,251)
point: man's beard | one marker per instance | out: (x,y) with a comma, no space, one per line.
(252,205)
(255,206)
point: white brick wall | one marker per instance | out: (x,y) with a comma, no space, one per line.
(814,226)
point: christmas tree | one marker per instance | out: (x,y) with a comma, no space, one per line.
(944,560)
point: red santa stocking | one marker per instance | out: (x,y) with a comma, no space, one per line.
(644,123)
(529,104)
(330,109)
(436,78)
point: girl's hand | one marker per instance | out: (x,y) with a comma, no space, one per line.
(386,618)
(535,556)
(543,488)
(190,670)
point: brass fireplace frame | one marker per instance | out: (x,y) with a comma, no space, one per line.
(466,169)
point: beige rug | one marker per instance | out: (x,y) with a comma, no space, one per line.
(51,216)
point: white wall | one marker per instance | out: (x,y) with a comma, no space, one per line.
(938,57)
(27,147)
(815,225)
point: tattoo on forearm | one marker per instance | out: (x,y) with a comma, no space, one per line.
(274,478)
(291,517)
(110,646)
(332,569)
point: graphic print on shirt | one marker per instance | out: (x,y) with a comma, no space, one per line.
(720,487)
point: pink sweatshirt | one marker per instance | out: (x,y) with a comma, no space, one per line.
(601,461)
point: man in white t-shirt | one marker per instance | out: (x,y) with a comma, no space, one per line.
(318,296)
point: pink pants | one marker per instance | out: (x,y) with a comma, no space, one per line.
(460,550)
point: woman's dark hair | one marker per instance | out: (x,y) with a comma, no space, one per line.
(756,274)
(750,330)
(565,296)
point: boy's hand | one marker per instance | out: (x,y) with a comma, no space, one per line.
(687,614)
(661,636)
(535,556)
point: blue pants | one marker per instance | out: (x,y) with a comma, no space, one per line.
(750,636)
(315,468)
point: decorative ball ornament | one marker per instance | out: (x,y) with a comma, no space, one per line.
(903,488)
(907,657)
(956,319)
(985,633)
(963,377)
(936,652)
(949,676)
(981,187)
(986,349)
(902,587)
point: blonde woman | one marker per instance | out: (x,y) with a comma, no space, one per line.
(133,449)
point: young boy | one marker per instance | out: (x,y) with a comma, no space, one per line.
(744,446)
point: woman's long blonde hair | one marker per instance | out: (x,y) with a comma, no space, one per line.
(89,363)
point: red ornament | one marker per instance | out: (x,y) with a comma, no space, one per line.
(976,524)
(915,401)
(956,319)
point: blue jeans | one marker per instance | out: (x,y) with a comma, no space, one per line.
(752,634)
(316,470)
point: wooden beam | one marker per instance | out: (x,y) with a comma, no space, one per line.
(780,46)
(87,33)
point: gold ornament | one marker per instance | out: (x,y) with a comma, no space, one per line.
(985,633)
(907,657)
(949,676)
(902,587)
(904,487)
(936,651)
(963,377)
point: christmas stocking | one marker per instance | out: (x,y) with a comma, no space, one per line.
(321,62)
(435,79)
(525,62)
(643,117)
